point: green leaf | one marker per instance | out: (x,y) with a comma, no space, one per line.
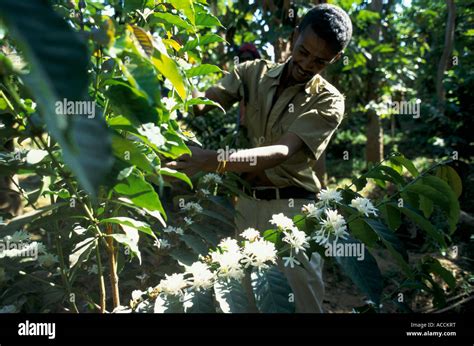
(391,215)
(449,175)
(126,221)
(425,225)
(195,243)
(393,244)
(365,274)
(142,75)
(272,291)
(49,45)
(131,103)
(206,233)
(203,101)
(205,19)
(426,206)
(81,251)
(187,7)
(200,302)
(231,296)
(169,69)
(173,173)
(127,151)
(363,232)
(202,41)
(168,304)
(438,191)
(385,173)
(128,242)
(202,70)
(406,163)
(435,267)
(172,19)
(140,192)
(212,214)
(184,255)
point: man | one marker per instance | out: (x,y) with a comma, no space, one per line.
(291,114)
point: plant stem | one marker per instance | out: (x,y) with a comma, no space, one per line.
(101,279)
(63,270)
(113,268)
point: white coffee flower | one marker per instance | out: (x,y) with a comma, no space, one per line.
(229,244)
(169,104)
(250,234)
(333,225)
(137,294)
(297,239)
(364,206)
(18,236)
(162,244)
(281,221)
(203,278)
(192,207)
(47,260)
(171,229)
(228,259)
(93,269)
(205,192)
(173,284)
(153,134)
(258,253)
(328,195)
(211,178)
(312,210)
(188,221)
(290,261)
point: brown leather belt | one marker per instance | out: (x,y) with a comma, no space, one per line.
(270,192)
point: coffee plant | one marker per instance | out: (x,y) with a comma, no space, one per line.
(91,95)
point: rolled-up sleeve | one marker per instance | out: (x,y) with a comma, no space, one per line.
(230,89)
(315,127)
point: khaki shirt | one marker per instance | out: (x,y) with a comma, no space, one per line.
(312,111)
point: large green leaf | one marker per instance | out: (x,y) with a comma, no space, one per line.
(172,19)
(272,291)
(441,194)
(362,231)
(58,72)
(425,224)
(126,221)
(129,243)
(400,159)
(202,70)
(199,302)
(391,215)
(195,243)
(365,274)
(449,175)
(131,103)
(127,151)
(392,243)
(140,192)
(231,296)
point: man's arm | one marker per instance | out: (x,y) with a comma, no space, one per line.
(248,160)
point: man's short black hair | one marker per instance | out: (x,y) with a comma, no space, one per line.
(331,23)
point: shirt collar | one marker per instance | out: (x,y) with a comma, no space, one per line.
(312,87)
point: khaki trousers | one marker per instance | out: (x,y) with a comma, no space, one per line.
(307,283)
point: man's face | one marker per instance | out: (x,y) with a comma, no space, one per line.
(310,56)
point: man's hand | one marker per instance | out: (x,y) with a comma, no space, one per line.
(200,160)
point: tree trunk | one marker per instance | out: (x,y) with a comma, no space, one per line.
(447,51)
(374,131)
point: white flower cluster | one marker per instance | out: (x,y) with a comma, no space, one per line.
(171,229)
(192,207)
(228,258)
(210,178)
(333,225)
(297,239)
(153,134)
(202,276)
(173,284)
(364,206)
(328,195)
